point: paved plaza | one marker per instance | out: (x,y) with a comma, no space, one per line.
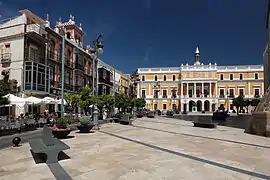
(151,149)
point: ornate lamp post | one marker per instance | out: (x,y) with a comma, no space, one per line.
(97,49)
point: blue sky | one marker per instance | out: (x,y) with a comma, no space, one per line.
(155,33)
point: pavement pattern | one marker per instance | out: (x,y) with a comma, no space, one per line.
(152,149)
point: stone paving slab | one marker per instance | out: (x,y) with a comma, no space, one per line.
(152,149)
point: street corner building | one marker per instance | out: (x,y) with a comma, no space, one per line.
(31,54)
(199,87)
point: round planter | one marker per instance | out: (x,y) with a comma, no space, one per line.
(139,115)
(85,129)
(61,134)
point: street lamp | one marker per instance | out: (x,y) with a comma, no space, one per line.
(97,49)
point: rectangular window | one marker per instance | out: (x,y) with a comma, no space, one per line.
(256,92)
(241,76)
(173,77)
(221,77)
(164,106)
(173,93)
(256,76)
(155,93)
(143,93)
(241,92)
(155,77)
(231,93)
(221,93)
(164,78)
(231,76)
(164,93)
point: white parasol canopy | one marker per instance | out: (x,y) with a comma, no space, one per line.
(33,100)
(15,100)
(48,100)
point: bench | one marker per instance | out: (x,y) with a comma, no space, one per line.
(204,122)
(48,145)
(125,120)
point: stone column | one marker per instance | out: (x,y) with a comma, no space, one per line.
(210,87)
(203,89)
(248,89)
(216,90)
(182,88)
(194,90)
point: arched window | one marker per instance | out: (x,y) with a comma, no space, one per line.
(143,78)
(164,78)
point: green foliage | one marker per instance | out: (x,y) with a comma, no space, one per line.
(255,102)
(86,97)
(118,115)
(85,120)
(121,101)
(61,123)
(4,88)
(140,102)
(3,100)
(69,118)
(73,100)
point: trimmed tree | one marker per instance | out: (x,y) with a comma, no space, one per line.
(86,99)
(72,100)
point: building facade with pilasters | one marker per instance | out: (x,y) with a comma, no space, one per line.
(199,87)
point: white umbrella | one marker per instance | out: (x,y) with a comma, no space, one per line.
(33,100)
(48,100)
(15,100)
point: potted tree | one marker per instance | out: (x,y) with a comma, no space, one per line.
(60,129)
(140,113)
(85,124)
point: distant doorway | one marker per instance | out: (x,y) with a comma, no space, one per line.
(191,105)
(199,106)
(206,105)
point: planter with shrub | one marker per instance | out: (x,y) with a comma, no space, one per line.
(85,124)
(140,114)
(60,129)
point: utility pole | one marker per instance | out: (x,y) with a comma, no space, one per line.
(63,75)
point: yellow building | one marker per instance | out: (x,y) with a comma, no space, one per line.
(124,84)
(199,87)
